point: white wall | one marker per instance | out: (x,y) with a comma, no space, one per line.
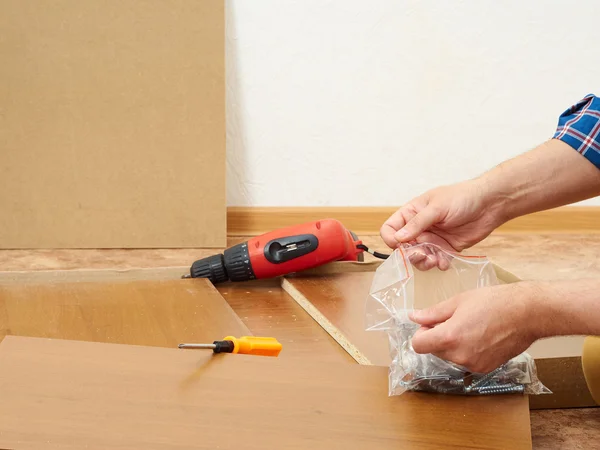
(371,102)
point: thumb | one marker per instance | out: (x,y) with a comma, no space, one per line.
(418,224)
(433,340)
(436,314)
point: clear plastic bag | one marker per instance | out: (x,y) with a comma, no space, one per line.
(397,290)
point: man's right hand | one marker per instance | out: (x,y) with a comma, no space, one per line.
(458,216)
(453,217)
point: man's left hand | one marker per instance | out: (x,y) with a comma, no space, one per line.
(479,329)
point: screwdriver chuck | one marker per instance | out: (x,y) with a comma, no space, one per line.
(212,268)
(233,265)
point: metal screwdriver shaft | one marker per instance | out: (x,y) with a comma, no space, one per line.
(198,346)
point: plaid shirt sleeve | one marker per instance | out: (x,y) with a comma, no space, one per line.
(579,127)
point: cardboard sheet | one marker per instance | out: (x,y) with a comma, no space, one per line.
(73,395)
(112,124)
(151,313)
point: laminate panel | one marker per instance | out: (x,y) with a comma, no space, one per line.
(152,313)
(337,303)
(73,395)
(269,311)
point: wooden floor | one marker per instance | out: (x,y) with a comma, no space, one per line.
(267,310)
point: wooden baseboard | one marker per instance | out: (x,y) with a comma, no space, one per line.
(250,221)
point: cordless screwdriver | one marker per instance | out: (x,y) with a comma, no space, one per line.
(282,252)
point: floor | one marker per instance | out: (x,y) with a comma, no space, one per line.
(529,256)
(543,257)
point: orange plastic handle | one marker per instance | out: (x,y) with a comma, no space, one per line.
(254,345)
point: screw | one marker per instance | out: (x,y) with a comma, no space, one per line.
(502,389)
(443,389)
(496,386)
(484,379)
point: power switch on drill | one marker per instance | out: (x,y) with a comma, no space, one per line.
(281,250)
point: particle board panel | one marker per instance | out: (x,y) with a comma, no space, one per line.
(112,124)
(559,362)
(67,394)
(337,303)
(151,313)
(269,311)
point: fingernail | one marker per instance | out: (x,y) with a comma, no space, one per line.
(415,315)
(400,235)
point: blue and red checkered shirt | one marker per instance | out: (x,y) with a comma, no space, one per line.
(579,127)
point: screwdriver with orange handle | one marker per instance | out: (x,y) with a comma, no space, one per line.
(249,345)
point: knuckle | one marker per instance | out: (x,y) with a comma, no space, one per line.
(435,209)
(460,245)
(463,360)
(449,339)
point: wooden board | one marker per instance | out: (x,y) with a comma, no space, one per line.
(337,303)
(112,124)
(153,313)
(559,366)
(73,395)
(269,311)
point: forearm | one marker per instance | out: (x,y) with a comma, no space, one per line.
(563,170)
(551,175)
(563,308)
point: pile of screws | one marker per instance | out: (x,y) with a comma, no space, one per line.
(492,383)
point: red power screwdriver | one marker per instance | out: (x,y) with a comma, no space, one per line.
(283,251)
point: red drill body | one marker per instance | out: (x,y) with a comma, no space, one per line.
(281,252)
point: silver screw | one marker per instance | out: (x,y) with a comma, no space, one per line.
(456,382)
(502,389)
(484,379)
(443,389)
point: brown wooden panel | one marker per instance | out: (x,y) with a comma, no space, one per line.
(269,311)
(65,394)
(565,378)
(154,313)
(337,303)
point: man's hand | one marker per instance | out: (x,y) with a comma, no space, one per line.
(452,217)
(458,216)
(479,329)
